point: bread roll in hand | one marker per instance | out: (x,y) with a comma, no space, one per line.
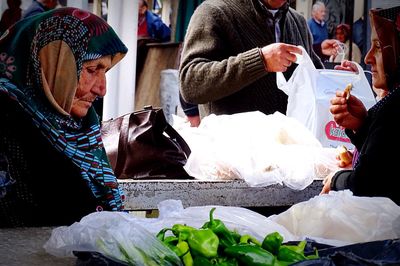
(344,155)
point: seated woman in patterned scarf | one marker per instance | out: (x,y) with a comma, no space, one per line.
(53,167)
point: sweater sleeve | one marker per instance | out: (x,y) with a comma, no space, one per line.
(207,73)
(188,108)
(340,180)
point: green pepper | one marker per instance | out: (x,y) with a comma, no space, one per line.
(186,256)
(223,261)
(203,242)
(247,239)
(173,240)
(236,236)
(161,234)
(169,241)
(250,255)
(281,263)
(219,261)
(201,261)
(313,256)
(218,227)
(289,255)
(299,248)
(272,242)
(182,231)
(174,248)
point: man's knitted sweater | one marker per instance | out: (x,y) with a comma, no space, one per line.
(222,68)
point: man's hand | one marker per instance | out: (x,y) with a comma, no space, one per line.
(279,56)
(194,120)
(330,47)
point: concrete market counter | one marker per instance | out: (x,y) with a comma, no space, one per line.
(146,194)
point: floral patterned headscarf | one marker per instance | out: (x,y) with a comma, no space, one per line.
(41,60)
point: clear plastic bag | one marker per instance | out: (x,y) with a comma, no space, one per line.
(106,232)
(260,149)
(339,216)
(115,234)
(336,219)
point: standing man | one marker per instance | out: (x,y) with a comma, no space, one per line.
(39,6)
(150,29)
(318,27)
(232,50)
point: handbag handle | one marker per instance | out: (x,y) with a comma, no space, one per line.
(121,154)
(173,134)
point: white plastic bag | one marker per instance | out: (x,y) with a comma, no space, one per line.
(338,219)
(342,217)
(169,92)
(105,232)
(309,93)
(113,234)
(260,149)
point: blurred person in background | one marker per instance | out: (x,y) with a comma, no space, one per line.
(39,6)
(343,36)
(318,28)
(150,29)
(11,15)
(150,25)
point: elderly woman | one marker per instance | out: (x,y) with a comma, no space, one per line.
(375,131)
(343,36)
(53,167)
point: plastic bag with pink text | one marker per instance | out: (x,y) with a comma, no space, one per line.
(309,93)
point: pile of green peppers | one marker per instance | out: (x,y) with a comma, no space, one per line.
(215,244)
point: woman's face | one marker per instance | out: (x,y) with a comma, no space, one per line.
(320,13)
(374,58)
(92,84)
(341,35)
(142,8)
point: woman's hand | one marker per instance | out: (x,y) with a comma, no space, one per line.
(344,157)
(348,112)
(347,66)
(327,184)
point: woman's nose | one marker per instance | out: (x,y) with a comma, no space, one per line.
(368,57)
(100,86)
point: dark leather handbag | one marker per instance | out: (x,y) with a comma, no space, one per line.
(142,145)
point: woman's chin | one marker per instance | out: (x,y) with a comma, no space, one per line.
(79,112)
